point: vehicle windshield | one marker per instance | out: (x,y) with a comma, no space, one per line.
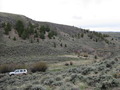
(16,70)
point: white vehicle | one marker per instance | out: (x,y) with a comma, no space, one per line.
(18,72)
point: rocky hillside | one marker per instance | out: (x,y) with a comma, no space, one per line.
(22,36)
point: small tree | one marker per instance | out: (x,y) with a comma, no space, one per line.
(47,28)
(6,31)
(42,29)
(3,24)
(42,36)
(78,35)
(71,63)
(14,38)
(96,40)
(51,34)
(36,35)
(82,35)
(7,28)
(19,27)
(65,45)
(61,45)
(37,40)
(30,28)
(96,57)
(25,34)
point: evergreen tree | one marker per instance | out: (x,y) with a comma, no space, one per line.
(61,45)
(96,40)
(3,24)
(95,57)
(65,45)
(78,35)
(42,36)
(51,34)
(82,35)
(42,29)
(6,31)
(19,27)
(30,28)
(7,28)
(37,40)
(112,39)
(36,34)
(47,28)
(14,38)
(25,34)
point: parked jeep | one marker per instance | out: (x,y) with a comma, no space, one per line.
(18,72)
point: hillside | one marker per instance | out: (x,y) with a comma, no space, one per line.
(67,40)
(57,57)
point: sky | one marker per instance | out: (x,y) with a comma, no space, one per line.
(96,15)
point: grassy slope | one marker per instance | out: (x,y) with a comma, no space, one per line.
(58,75)
(66,35)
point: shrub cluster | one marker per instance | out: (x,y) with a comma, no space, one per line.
(5,68)
(85,55)
(100,79)
(44,29)
(10,67)
(52,34)
(70,63)
(39,66)
(95,57)
(96,36)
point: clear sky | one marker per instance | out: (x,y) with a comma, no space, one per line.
(99,15)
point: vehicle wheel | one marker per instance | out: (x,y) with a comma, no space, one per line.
(11,74)
(24,73)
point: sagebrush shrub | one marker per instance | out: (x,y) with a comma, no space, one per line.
(85,55)
(66,64)
(10,67)
(19,66)
(37,87)
(95,57)
(5,68)
(39,66)
(116,75)
(71,63)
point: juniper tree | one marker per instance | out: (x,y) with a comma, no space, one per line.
(42,36)
(7,28)
(51,34)
(19,27)
(82,35)
(25,34)
(14,38)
